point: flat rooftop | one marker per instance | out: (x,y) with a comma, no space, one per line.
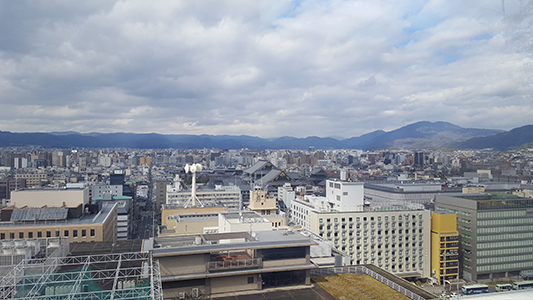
(98,218)
(205,243)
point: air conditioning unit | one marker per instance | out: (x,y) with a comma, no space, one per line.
(182,295)
(195,293)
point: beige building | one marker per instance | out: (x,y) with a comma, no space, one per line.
(37,213)
(52,222)
(32,180)
(265,206)
(178,220)
(51,197)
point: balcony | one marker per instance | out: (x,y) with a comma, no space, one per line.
(231,264)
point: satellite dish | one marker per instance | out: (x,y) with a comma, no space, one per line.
(187,168)
(193,168)
(198,168)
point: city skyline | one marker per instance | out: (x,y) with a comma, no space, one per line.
(268,69)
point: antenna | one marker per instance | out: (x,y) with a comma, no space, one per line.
(193,169)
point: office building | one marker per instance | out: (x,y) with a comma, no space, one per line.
(495,234)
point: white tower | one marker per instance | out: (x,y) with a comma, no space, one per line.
(193,169)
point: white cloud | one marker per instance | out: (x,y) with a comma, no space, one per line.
(268,68)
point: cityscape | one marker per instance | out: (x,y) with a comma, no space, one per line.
(280,149)
(213,222)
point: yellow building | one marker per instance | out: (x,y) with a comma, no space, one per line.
(261,204)
(444,246)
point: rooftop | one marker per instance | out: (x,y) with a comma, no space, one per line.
(205,243)
(98,218)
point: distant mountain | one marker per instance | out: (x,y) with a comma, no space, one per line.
(502,141)
(420,135)
(426,135)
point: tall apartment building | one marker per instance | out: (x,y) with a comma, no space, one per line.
(161,192)
(396,240)
(444,246)
(495,234)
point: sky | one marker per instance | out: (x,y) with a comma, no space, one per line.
(264,68)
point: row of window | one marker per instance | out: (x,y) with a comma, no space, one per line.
(504,258)
(508,221)
(499,237)
(459,213)
(393,246)
(509,251)
(40,234)
(518,265)
(365,219)
(505,244)
(500,229)
(501,214)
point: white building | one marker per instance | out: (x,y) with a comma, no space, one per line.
(396,240)
(286,194)
(229,196)
(248,221)
(345,196)
(101,190)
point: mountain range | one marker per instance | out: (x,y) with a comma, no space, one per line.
(420,135)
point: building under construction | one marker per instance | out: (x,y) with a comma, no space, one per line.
(111,276)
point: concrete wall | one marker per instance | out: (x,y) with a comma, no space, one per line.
(234,284)
(180,265)
(51,198)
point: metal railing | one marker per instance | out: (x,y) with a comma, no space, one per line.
(362,269)
(230,264)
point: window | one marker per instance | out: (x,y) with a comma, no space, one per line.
(30,235)
(58,233)
(2,236)
(39,234)
(48,234)
(66,233)
(74,233)
(12,235)
(250,279)
(21,235)
(83,232)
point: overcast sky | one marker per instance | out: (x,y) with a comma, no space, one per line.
(264,68)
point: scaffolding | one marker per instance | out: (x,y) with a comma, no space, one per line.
(94,277)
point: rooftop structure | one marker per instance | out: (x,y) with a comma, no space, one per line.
(112,276)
